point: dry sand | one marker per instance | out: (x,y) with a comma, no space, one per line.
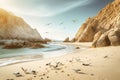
(91,64)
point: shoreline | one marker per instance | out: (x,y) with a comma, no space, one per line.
(35,57)
(91,64)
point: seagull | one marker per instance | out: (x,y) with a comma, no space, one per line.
(49,24)
(46,32)
(74,21)
(61,23)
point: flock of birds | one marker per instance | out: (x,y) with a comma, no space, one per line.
(74,21)
(48,24)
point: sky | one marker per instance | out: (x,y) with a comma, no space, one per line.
(55,19)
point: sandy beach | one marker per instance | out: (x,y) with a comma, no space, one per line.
(91,64)
(59,40)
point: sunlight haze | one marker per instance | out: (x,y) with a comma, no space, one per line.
(54,19)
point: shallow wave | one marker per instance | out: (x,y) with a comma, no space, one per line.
(8,57)
(55,49)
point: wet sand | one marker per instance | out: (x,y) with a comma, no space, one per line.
(90,64)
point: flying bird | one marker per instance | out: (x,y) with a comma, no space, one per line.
(74,21)
(61,23)
(46,32)
(48,24)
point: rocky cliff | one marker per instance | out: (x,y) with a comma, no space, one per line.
(13,27)
(104,28)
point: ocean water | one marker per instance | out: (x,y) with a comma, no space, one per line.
(11,56)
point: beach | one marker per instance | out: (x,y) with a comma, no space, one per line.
(90,64)
(60,40)
(11,56)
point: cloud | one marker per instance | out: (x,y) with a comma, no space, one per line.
(44,8)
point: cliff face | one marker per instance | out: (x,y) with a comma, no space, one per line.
(107,21)
(13,27)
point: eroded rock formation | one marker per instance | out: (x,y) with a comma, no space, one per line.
(13,27)
(16,33)
(103,29)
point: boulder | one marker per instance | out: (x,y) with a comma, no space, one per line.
(66,40)
(22,44)
(33,45)
(103,41)
(114,37)
(47,40)
(12,46)
(2,42)
(77,48)
(111,37)
(73,40)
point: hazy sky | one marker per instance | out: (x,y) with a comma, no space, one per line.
(55,19)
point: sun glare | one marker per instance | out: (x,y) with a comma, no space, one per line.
(5,4)
(2,4)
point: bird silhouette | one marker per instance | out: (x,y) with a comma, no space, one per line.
(46,32)
(74,21)
(48,24)
(61,23)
